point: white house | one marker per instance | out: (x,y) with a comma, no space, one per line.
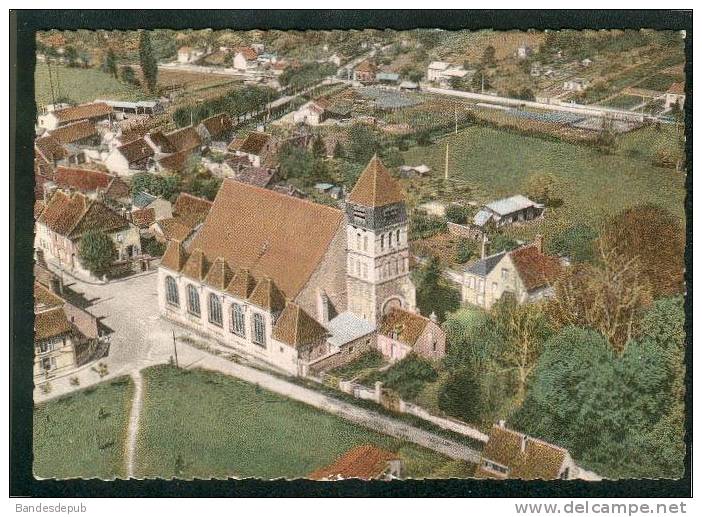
(93,112)
(311,113)
(245,59)
(130,158)
(189,55)
(435,70)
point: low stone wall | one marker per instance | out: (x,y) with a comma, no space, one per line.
(467,232)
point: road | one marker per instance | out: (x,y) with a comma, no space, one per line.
(141,338)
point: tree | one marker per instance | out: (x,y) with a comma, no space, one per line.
(128,76)
(500,242)
(433,293)
(466,249)
(461,395)
(408,376)
(97,252)
(602,407)
(149,66)
(319,150)
(110,64)
(609,297)
(166,186)
(524,328)
(363,143)
(655,238)
(489,56)
(457,213)
(543,187)
(576,242)
(71,55)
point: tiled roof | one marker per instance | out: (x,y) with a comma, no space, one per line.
(175,162)
(362,462)
(136,150)
(534,268)
(484,266)
(365,66)
(174,257)
(196,266)
(51,323)
(63,212)
(272,233)
(84,180)
(538,460)
(219,275)
(242,284)
(257,176)
(74,132)
(99,216)
(236,143)
(44,299)
(84,111)
(217,125)
(677,88)
(50,148)
(266,295)
(160,141)
(144,218)
(184,139)
(172,228)
(376,187)
(117,189)
(296,328)
(249,53)
(191,210)
(255,143)
(403,326)
(39,207)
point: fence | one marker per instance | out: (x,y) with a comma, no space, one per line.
(390,400)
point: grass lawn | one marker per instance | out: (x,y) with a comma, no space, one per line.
(80,85)
(497,163)
(204,424)
(370,360)
(82,435)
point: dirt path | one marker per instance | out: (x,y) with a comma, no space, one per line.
(133,429)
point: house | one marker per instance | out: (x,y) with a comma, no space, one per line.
(185,139)
(525,273)
(367,462)
(402,332)
(245,58)
(509,454)
(257,176)
(675,95)
(170,229)
(128,159)
(435,70)
(576,84)
(312,113)
(93,112)
(191,210)
(256,146)
(217,128)
(272,293)
(81,133)
(524,51)
(162,208)
(128,109)
(189,54)
(93,183)
(507,211)
(173,163)
(48,152)
(67,217)
(365,72)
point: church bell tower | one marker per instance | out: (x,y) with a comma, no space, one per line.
(377,242)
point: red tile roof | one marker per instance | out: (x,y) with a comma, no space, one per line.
(534,268)
(84,180)
(183,139)
(218,125)
(677,88)
(144,218)
(403,326)
(191,210)
(73,215)
(271,232)
(255,143)
(50,148)
(74,132)
(376,187)
(366,66)
(362,462)
(84,111)
(298,329)
(249,53)
(51,323)
(174,257)
(258,176)
(136,150)
(176,161)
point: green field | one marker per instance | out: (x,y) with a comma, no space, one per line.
(624,101)
(594,185)
(79,85)
(203,424)
(83,435)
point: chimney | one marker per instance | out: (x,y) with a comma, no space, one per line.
(524,442)
(539,242)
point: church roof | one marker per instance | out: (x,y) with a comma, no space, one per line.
(196,266)
(174,257)
(376,187)
(242,284)
(296,328)
(267,296)
(271,234)
(219,275)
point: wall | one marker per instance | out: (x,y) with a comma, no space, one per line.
(345,354)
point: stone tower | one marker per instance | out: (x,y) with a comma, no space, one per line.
(377,270)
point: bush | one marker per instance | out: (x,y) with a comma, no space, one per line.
(408,376)
(152,247)
(466,249)
(457,213)
(460,396)
(500,242)
(576,242)
(423,226)
(97,252)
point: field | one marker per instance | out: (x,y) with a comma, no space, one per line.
(623,101)
(83,435)
(202,424)
(80,85)
(593,185)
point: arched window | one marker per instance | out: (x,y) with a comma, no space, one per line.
(397,239)
(172,291)
(215,310)
(193,300)
(382,242)
(389,239)
(259,330)
(358,241)
(365,243)
(238,320)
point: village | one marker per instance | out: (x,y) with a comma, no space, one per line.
(420,238)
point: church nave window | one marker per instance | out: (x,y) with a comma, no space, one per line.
(172,291)
(193,300)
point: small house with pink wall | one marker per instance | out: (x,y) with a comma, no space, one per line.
(402,332)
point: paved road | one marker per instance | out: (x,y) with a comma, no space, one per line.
(141,339)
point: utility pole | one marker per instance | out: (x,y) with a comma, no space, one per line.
(446,175)
(175,349)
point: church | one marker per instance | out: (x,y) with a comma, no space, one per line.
(297,285)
